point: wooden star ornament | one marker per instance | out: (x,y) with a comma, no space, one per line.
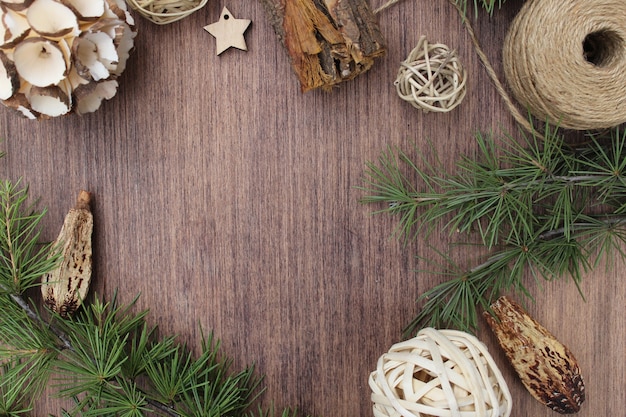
(228,32)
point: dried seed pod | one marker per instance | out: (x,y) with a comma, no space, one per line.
(547,368)
(65,288)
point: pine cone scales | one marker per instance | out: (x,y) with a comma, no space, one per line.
(62,56)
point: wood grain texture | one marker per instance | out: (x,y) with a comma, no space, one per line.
(227,199)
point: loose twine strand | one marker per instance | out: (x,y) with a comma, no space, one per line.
(517,115)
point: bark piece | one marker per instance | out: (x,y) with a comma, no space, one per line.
(328,41)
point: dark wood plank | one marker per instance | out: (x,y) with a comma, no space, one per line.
(227,199)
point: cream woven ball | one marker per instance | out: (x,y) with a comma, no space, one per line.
(163,12)
(431,78)
(439,373)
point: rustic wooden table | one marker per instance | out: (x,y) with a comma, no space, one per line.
(228,200)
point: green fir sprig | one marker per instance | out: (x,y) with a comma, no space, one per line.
(544,209)
(23,259)
(106,359)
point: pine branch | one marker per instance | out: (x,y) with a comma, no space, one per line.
(94,351)
(26,355)
(107,358)
(542,208)
(65,343)
(23,259)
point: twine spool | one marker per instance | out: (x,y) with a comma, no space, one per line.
(163,12)
(565,60)
(439,373)
(431,78)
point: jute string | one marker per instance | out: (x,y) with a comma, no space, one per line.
(564,61)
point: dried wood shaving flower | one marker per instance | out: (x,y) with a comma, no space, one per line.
(50,48)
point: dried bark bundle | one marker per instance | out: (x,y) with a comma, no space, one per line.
(65,288)
(547,368)
(62,56)
(328,41)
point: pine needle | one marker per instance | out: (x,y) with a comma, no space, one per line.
(544,210)
(106,357)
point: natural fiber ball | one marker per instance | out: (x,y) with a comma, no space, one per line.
(163,12)
(431,78)
(565,61)
(439,373)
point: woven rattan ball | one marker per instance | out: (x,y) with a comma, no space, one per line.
(431,78)
(439,373)
(163,12)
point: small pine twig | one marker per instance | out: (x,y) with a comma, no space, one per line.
(65,343)
(544,207)
(100,352)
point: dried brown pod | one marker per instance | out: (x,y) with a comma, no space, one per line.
(65,288)
(547,368)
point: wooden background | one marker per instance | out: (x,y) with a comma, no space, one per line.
(228,199)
